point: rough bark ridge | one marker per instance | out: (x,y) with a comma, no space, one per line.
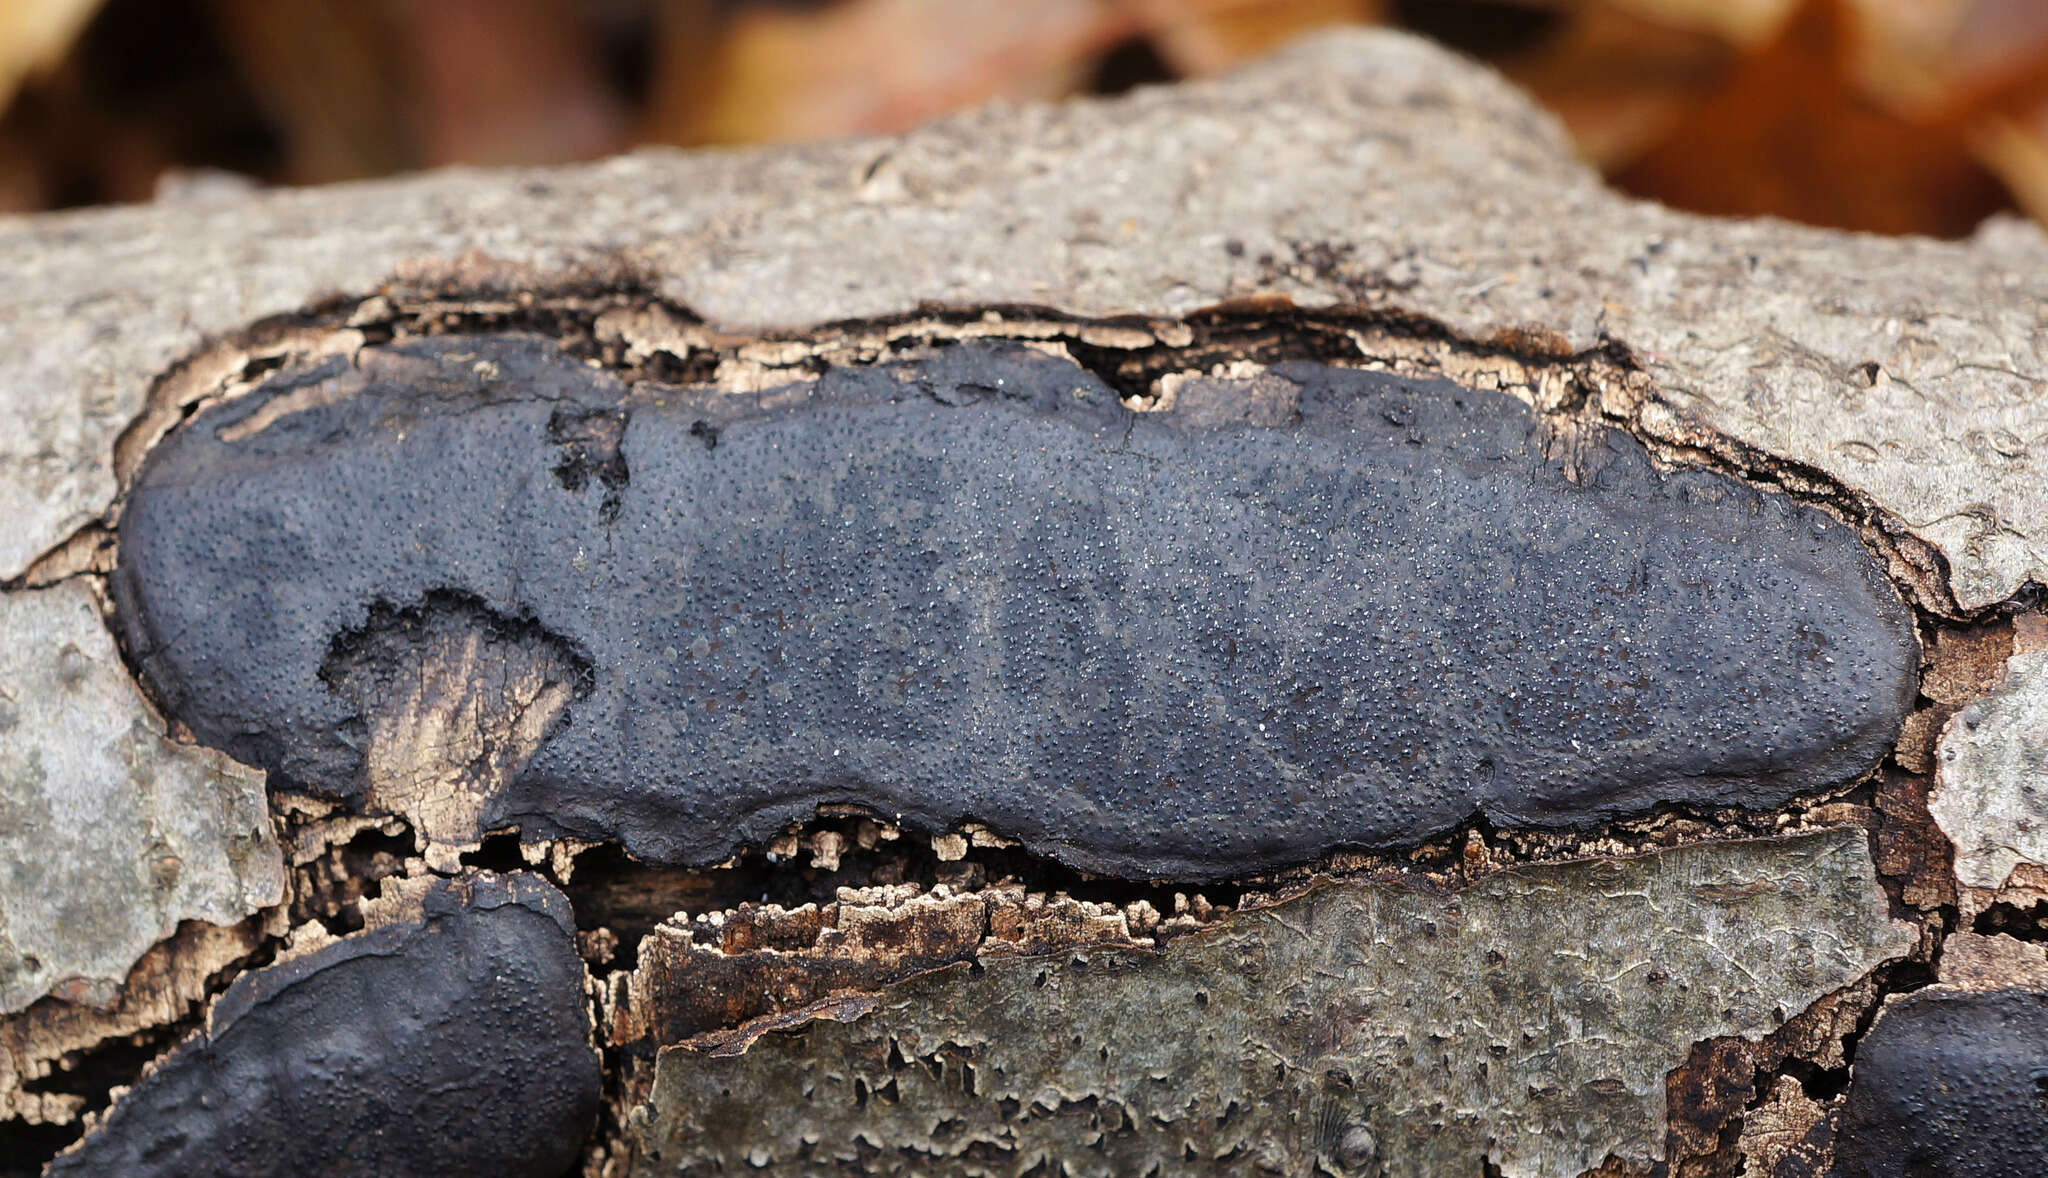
(1742,988)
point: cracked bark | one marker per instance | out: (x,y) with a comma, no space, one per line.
(1884,384)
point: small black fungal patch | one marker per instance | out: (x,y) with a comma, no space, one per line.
(1950,1085)
(589,442)
(1322,608)
(457,1045)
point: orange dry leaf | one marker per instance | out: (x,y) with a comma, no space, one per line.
(1979,67)
(1880,114)
(1621,82)
(361,90)
(34,35)
(321,71)
(1198,37)
(860,66)
(1793,133)
(507,82)
(1738,22)
(779,73)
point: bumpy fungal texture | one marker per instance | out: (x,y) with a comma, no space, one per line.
(1528,1022)
(1950,1084)
(455,1044)
(1322,608)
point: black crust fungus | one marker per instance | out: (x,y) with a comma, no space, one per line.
(454,1045)
(1320,608)
(1950,1084)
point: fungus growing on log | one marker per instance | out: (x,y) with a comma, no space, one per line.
(1950,1084)
(454,1042)
(1312,608)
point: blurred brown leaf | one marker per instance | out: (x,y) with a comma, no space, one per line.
(1621,82)
(776,74)
(321,74)
(772,73)
(1976,67)
(1198,37)
(1793,133)
(1935,52)
(1738,22)
(507,82)
(34,36)
(1893,115)
(364,90)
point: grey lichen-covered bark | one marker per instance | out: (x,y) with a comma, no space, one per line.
(1527,1022)
(110,835)
(1368,202)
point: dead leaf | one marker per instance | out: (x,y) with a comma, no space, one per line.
(1793,133)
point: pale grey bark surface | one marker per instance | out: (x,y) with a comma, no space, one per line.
(109,833)
(1991,782)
